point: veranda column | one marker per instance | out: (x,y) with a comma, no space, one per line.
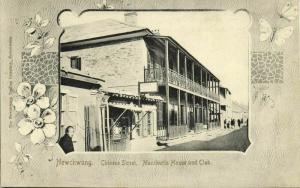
(178,94)
(193,77)
(185,94)
(167,86)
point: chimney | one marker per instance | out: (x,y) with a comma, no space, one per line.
(156,32)
(131,18)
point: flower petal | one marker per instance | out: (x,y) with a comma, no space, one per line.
(49,130)
(43,102)
(31,45)
(24,89)
(33,111)
(44,23)
(25,127)
(38,18)
(38,90)
(49,116)
(37,50)
(19,103)
(37,136)
(31,30)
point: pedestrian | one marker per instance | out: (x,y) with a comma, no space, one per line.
(66,142)
(224,123)
(239,122)
(228,125)
(233,123)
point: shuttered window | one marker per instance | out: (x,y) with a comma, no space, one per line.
(76,62)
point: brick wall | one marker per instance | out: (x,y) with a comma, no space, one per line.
(120,64)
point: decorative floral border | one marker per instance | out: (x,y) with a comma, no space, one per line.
(38,119)
(39,111)
(36,36)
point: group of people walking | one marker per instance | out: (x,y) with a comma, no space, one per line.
(231,123)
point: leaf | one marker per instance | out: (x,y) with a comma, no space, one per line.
(54,107)
(46,34)
(31,30)
(27,157)
(30,45)
(12,159)
(44,23)
(27,23)
(38,18)
(53,101)
(49,42)
(18,147)
(36,51)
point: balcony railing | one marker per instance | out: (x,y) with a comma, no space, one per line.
(159,75)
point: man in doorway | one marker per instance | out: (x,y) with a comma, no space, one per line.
(66,142)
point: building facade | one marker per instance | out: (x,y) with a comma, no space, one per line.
(106,120)
(125,55)
(226,105)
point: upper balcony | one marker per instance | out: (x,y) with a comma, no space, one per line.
(160,75)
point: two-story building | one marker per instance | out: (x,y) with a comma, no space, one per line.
(226,104)
(124,55)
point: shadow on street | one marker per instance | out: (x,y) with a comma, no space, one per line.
(235,141)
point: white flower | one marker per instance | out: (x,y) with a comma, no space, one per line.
(38,125)
(26,98)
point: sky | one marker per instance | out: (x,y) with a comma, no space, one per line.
(218,39)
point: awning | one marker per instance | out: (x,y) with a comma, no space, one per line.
(129,95)
(133,107)
(130,106)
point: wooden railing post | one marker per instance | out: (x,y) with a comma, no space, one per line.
(167,85)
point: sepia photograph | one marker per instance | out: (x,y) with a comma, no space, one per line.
(140,81)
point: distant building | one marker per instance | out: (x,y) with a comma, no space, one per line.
(124,55)
(239,111)
(226,104)
(231,109)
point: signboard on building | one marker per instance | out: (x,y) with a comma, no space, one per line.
(148,87)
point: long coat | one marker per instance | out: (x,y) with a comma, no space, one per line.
(66,143)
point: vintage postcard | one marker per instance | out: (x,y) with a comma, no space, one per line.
(162,93)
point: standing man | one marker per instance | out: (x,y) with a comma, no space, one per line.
(66,142)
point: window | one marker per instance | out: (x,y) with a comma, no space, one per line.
(173,114)
(76,62)
(183,114)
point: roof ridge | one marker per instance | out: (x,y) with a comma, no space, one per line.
(102,20)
